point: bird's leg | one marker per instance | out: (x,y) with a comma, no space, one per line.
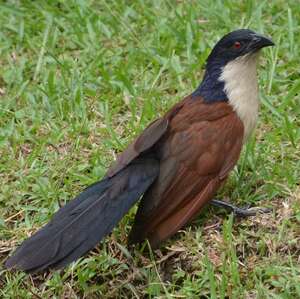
(240,212)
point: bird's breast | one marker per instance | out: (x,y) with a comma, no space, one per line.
(241,87)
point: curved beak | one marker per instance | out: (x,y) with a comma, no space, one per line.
(260,41)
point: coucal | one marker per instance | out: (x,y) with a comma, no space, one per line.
(175,165)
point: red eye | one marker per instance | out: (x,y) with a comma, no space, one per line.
(237,45)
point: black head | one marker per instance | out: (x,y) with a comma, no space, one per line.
(238,43)
(230,47)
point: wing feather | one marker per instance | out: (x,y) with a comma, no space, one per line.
(143,142)
(201,146)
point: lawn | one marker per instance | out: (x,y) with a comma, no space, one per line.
(79,79)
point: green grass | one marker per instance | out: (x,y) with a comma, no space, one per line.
(79,79)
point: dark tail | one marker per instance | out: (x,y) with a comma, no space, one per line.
(83,222)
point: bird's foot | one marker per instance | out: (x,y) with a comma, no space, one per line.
(240,212)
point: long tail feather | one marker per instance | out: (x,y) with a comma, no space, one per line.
(83,222)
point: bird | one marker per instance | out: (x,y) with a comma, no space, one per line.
(173,168)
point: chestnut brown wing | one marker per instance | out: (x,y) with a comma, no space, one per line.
(201,146)
(142,143)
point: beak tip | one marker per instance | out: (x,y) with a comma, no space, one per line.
(263,41)
(270,42)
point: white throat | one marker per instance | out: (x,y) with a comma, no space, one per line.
(241,88)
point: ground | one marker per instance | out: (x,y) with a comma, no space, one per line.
(79,79)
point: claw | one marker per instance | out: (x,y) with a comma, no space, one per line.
(240,212)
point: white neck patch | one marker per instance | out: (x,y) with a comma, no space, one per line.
(241,88)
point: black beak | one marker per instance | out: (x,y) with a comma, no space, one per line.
(259,41)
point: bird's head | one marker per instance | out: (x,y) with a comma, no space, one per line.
(235,45)
(232,59)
